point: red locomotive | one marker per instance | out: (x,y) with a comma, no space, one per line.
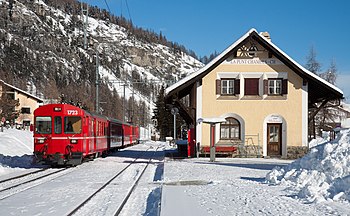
(65,134)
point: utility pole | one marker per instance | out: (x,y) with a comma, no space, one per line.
(132,98)
(97,81)
(85,12)
(124,102)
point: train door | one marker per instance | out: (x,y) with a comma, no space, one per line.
(85,135)
(95,134)
(92,135)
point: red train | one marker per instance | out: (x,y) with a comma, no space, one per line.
(65,134)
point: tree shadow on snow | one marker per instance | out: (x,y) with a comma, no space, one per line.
(158,175)
(137,154)
(154,199)
(25,161)
(255,179)
(153,202)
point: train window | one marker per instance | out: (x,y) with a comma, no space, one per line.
(72,124)
(43,124)
(58,125)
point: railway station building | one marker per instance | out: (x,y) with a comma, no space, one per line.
(265,100)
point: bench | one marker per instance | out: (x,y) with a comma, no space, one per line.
(221,149)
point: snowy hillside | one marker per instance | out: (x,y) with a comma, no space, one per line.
(43,51)
(323,174)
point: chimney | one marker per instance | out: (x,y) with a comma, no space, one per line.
(266,35)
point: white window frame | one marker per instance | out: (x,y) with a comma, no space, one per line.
(272,85)
(230,130)
(230,84)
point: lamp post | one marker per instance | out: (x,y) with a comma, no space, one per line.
(174,111)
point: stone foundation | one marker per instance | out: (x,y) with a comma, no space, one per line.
(295,152)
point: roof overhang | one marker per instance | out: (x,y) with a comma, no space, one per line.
(318,88)
(23,92)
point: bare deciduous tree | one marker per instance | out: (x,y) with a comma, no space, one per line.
(311,62)
(331,74)
(7,103)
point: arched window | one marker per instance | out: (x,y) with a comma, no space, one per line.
(231,129)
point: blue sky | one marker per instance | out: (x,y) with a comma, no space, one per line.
(208,26)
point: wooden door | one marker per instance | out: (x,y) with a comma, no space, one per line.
(274,139)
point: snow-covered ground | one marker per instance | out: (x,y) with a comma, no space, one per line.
(322,175)
(317,184)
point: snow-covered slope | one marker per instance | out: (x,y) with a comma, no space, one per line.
(323,174)
(42,51)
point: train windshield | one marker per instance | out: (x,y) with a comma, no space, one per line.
(43,124)
(72,124)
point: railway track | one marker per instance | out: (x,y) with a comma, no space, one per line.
(23,175)
(17,184)
(122,201)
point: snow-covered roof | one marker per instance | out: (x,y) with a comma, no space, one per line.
(22,91)
(301,67)
(211,120)
(220,58)
(207,66)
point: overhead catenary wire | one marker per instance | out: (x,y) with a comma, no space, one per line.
(109,10)
(127,7)
(121,8)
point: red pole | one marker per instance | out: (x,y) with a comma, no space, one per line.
(189,143)
(212,144)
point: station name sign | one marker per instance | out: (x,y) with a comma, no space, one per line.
(255,62)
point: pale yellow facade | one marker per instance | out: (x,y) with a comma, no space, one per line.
(27,104)
(256,96)
(255,112)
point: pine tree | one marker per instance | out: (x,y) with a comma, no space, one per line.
(162,115)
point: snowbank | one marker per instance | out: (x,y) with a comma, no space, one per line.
(322,174)
(15,142)
(16,150)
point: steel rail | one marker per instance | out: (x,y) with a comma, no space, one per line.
(134,186)
(103,186)
(132,189)
(31,180)
(23,175)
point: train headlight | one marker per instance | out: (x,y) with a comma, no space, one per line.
(73,141)
(40,141)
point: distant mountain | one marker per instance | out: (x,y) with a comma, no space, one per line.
(43,52)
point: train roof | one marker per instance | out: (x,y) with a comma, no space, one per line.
(88,112)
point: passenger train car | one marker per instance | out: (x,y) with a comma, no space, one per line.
(65,134)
